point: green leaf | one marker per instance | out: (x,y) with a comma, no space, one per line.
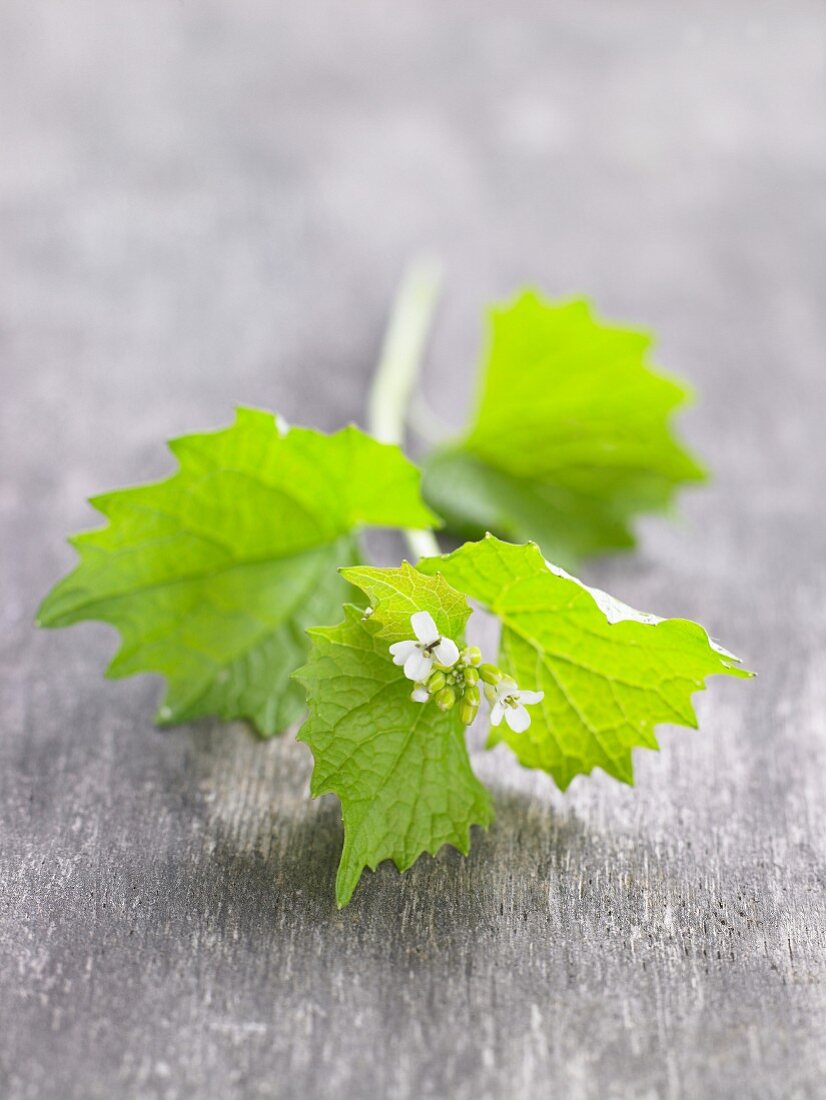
(609,674)
(571,436)
(213,575)
(400,769)
(396,594)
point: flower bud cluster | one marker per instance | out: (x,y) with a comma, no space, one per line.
(452,677)
(455,685)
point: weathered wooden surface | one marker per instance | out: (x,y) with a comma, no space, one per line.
(208,202)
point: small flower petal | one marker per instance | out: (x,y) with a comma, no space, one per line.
(402,650)
(424,628)
(420,694)
(417,666)
(531,697)
(496,713)
(517,718)
(447,652)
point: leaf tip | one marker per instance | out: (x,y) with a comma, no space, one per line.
(100,502)
(164,715)
(346,882)
(45,616)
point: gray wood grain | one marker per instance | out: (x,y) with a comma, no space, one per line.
(204,203)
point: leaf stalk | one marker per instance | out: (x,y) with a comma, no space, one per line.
(399,367)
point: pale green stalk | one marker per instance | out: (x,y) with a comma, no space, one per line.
(399,366)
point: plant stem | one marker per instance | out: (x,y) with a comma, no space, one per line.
(399,366)
(425,422)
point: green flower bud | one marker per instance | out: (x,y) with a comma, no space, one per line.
(435,682)
(468,712)
(490,694)
(473,654)
(472,695)
(471,676)
(446,698)
(490,674)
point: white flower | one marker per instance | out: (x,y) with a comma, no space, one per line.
(419,694)
(509,703)
(418,657)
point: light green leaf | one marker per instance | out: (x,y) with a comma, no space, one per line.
(213,575)
(609,674)
(400,769)
(571,436)
(396,594)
